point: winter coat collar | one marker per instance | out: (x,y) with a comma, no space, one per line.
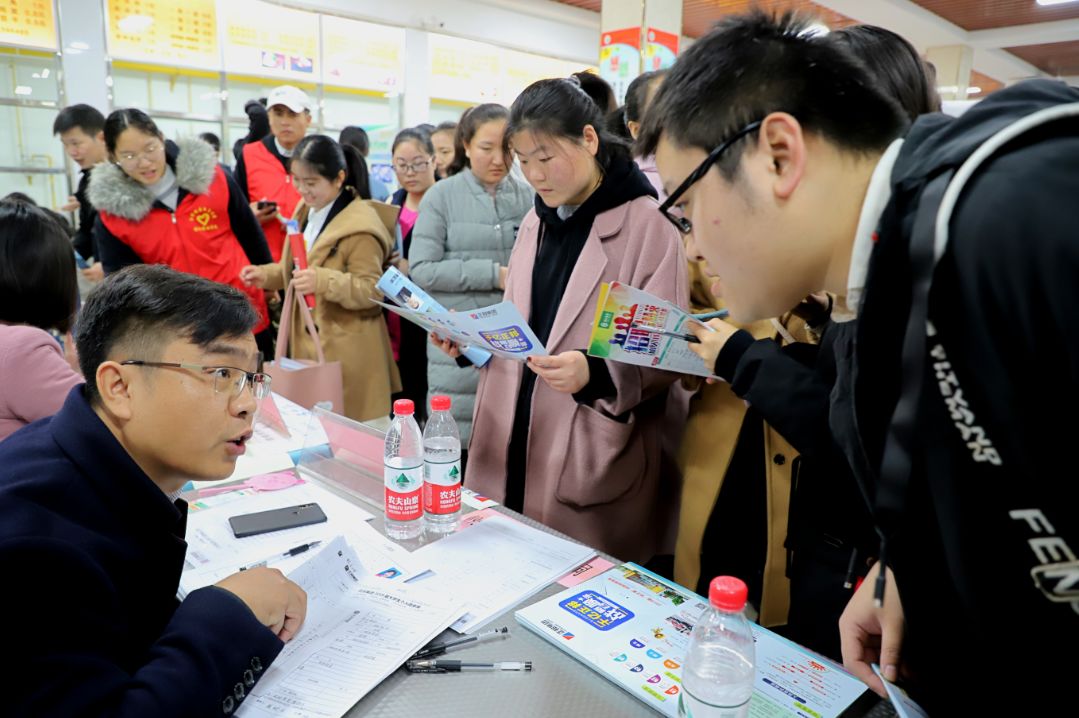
(112,191)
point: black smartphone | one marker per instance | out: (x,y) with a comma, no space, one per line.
(265,522)
(263,204)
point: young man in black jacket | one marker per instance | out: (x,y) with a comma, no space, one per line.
(791,171)
(82,131)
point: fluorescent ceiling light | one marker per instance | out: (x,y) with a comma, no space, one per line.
(973,90)
(136,24)
(23,90)
(45,74)
(79,46)
(1053,2)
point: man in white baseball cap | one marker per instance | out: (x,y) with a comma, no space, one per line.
(262,170)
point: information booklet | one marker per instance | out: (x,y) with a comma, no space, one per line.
(635,327)
(403,292)
(632,627)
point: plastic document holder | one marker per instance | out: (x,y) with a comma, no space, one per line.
(345,453)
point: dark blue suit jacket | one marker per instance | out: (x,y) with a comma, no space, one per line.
(90,554)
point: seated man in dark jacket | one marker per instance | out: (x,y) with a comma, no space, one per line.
(953,242)
(91,529)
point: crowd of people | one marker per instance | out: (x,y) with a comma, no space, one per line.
(872,455)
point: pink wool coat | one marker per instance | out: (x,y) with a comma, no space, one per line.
(589,475)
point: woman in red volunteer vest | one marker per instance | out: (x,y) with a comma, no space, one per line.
(262,169)
(169,203)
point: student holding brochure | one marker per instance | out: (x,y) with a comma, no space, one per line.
(348,247)
(572,441)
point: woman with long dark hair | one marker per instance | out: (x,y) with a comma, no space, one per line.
(348,240)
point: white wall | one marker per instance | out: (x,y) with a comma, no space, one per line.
(540,26)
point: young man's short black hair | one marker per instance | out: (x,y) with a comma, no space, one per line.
(145,306)
(211,139)
(37,268)
(754,64)
(84,117)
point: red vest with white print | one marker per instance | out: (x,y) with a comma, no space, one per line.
(267,178)
(197,238)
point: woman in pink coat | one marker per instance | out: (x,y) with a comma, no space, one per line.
(573,441)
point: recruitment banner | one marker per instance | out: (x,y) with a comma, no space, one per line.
(28,23)
(164,32)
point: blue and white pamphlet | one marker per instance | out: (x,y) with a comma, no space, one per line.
(633,627)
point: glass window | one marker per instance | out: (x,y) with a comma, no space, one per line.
(446,111)
(29,92)
(183,92)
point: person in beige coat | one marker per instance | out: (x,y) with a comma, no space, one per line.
(349,240)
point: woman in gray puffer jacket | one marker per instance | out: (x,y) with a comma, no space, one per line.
(462,241)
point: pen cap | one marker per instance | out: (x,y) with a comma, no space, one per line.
(727,593)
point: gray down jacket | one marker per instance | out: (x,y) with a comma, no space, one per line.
(462,236)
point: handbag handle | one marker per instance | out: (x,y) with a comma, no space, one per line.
(292,299)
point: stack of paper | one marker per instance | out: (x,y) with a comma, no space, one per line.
(359,629)
(635,327)
(213,552)
(495,564)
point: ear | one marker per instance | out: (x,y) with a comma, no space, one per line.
(115,389)
(591,139)
(340,181)
(634,128)
(782,145)
(100,136)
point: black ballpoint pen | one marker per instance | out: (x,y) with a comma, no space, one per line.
(439,648)
(431,666)
(294,551)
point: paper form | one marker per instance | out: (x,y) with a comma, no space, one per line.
(213,552)
(496,564)
(358,631)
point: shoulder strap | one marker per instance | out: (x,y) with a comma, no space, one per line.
(929,240)
(292,300)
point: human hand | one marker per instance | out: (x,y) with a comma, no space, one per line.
(567,372)
(253,276)
(305,280)
(71,205)
(448,346)
(503,273)
(266,213)
(712,342)
(868,634)
(399,262)
(278,603)
(94,273)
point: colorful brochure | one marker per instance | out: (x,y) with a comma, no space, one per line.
(405,293)
(499,329)
(635,327)
(633,628)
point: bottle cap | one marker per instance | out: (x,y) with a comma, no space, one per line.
(404,407)
(440,403)
(728,593)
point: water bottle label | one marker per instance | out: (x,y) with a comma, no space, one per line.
(403,489)
(442,487)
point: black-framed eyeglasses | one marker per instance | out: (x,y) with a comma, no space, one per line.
(682,223)
(227,379)
(417,167)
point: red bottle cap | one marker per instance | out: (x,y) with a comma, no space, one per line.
(440,403)
(404,407)
(728,593)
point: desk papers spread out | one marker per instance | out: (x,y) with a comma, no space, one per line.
(494,565)
(359,629)
(213,552)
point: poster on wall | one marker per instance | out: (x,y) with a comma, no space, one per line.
(167,32)
(269,40)
(620,59)
(28,23)
(359,54)
(660,50)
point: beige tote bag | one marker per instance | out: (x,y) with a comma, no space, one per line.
(301,380)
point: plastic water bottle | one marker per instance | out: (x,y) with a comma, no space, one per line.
(717,679)
(441,468)
(404,473)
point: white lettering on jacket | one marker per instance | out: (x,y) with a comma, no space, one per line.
(1057,575)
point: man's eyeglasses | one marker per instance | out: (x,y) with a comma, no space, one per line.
(132,159)
(227,379)
(417,166)
(682,223)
